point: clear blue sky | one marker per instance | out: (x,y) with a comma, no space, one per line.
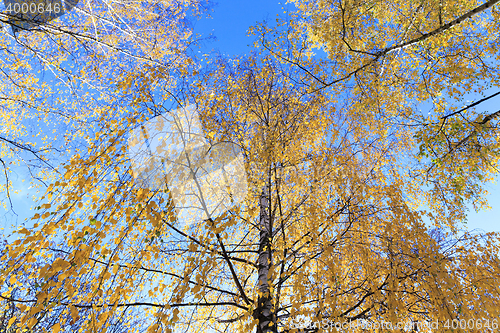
(230,20)
(229,23)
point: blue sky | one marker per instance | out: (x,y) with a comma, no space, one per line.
(230,21)
(229,24)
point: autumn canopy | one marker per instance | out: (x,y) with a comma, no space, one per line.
(296,189)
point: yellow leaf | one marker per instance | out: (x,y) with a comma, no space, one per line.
(11,321)
(56,328)
(153,328)
(74,313)
(32,322)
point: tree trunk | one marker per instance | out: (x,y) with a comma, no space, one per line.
(264,311)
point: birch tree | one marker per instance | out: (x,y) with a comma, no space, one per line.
(329,235)
(329,231)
